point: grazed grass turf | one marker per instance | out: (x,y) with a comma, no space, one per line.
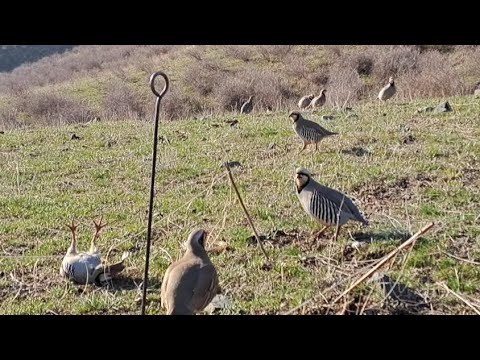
(403,169)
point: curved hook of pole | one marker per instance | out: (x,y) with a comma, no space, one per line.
(152,83)
(152,180)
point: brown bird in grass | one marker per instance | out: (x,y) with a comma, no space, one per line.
(190,283)
(319,100)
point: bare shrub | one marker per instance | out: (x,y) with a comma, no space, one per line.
(433,76)
(52,108)
(272,53)
(203,76)
(392,60)
(270,90)
(123,101)
(344,86)
(297,67)
(232,92)
(8,118)
(241,52)
(176,105)
(440,48)
(363,64)
(466,61)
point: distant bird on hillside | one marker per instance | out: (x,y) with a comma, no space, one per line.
(476,92)
(388,90)
(319,100)
(247,107)
(305,101)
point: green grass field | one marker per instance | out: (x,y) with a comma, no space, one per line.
(404,170)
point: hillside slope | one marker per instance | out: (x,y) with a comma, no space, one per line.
(111,81)
(13,56)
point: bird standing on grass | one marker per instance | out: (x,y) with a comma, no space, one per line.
(190,283)
(309,131)
(328,206)
(319,100)
(388,90)
(247,106)
(305,101)
(87,267)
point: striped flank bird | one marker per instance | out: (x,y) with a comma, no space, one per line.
(328,206)
(309,131)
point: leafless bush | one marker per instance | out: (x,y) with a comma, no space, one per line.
(272,53)
(51,108)
(176,105)
(270,90)
(440,48)
(203,76)
(344,86)
(466,61)
(8,118)
(363,64)
(392,60)
(232,92)
(123,101)
(433,76)
(241,52)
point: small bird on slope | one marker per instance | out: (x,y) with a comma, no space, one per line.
(319,100)
(190,283)
(304,102)
(309,131)
(388,90)
(328,206)
(247,107)
(87,267)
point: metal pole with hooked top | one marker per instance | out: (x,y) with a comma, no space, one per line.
(152,182)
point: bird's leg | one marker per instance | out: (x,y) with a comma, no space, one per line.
(337,232)
(319,233)
(320,244)
(98,227)
(73,246)
(303,148)
(316,146)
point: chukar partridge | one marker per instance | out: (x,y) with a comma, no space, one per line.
(476,92)
(328,206)
(319,101)
(388,90)
(190,283)
(309,131)
(87,267)
(304,102)
(247,106)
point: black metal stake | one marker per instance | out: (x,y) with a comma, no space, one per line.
(152,182)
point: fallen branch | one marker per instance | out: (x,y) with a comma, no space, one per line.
(385,259)
(245,210)
(459,258)
(468,303)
